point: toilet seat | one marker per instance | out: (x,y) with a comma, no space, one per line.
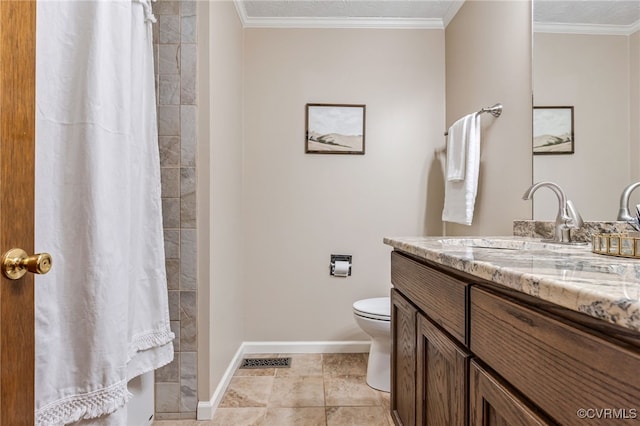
(377,308)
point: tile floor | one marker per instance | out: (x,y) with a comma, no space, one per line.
(318,389)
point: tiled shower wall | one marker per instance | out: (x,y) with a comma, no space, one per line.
(174,43)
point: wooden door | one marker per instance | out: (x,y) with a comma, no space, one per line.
(17,176)
(442,371)
(493,403)
(403,360)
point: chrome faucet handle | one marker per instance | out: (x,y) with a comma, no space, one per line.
(635,221)
(575,221)
(569,219)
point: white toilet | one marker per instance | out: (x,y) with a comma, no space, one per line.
(374,318)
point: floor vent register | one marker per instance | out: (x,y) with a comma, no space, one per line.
(266,363)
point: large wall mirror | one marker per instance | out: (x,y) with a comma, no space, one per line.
(586,55)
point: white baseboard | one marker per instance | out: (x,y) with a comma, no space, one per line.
(305,347)
(207,408)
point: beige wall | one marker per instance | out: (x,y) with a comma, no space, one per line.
(590,72)
(488,60)
(221,303)
(300,208)
(205,386)
(634,108)
(292,210)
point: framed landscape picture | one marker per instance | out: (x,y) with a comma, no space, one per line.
(335,129)
(553,130)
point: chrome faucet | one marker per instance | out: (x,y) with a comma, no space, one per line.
(568,217)
(623,213)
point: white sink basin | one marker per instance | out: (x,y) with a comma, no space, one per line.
(507,243)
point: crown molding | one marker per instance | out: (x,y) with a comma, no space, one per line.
(626,30)
(346,22)
(417,23)
(375,23)
(451,12)
(242,12)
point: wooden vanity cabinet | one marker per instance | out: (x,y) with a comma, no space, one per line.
(469,352)
(430,368)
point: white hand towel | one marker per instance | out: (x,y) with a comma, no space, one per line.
(460,196)
(457,148)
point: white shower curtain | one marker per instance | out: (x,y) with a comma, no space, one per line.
(101,313)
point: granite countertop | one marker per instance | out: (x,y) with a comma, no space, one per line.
(573,277)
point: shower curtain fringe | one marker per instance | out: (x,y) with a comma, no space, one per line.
(87,406)
(149,340)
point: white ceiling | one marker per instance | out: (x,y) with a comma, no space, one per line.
(607,12)
(426,13)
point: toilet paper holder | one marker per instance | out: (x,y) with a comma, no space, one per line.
(339,258)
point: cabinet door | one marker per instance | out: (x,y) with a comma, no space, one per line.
(494,404)
(403,360)
(442,373)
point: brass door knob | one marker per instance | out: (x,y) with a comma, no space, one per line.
(16,263)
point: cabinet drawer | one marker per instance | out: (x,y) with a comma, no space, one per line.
(560,367)
(441,297)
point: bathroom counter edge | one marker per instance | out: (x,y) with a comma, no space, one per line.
(603,287)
